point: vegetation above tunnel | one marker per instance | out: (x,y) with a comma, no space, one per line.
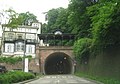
(82,48)
(97,20)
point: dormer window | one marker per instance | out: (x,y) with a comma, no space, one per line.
(35,24)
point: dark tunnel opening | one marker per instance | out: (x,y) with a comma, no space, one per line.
(58,63)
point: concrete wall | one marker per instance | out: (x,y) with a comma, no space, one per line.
(105,64)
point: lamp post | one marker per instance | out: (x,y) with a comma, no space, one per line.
(2,30)
(25,60)
(24,55)
(24,51)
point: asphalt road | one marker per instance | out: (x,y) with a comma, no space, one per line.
(61,79)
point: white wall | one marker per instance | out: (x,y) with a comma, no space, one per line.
(30,36)
(27,29)
(31,30)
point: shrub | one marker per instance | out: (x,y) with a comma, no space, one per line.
(15,76)
(81,47)
(11,60)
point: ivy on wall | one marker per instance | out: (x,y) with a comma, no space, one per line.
(81,47)
(13,60)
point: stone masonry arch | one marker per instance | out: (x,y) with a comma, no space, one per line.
(56,56)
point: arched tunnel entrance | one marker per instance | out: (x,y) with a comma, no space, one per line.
(58,63)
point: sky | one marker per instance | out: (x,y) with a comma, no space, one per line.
(37,7)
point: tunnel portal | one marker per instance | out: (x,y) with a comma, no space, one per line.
(58,63)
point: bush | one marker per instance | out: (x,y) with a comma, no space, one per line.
(81,47)
(15,76)
(11,60)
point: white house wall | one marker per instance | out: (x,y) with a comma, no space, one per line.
(30,30)
(31,34)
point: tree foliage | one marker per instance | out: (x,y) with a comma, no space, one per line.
(62,21)
(27,18)
(10,60)
(81,47)
(105,23)
(52,17)
(12,16)
(57,19)
(78,19)
(97,20)
(16,19)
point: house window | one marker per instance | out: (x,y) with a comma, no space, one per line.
(9,48)
(20,46)
(20,36)
(30,49)
(10,35)
(29,30)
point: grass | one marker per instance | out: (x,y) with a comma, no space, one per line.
(103,80)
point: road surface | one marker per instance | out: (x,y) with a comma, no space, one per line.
(61,79)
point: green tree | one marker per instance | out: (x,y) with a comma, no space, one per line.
(78,19)
(12,16)
(52,17)
(44,28)
(26,18)
(82,48)
(62,21)
(105,23)
(16,19)
(57,19)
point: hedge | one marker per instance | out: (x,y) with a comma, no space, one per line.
(14,77)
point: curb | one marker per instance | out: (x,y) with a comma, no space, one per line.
(26,81)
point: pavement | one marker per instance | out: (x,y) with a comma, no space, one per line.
(61,79)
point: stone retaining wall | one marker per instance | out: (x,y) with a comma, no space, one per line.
(33,65)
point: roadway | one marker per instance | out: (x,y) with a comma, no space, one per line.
(61,79)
